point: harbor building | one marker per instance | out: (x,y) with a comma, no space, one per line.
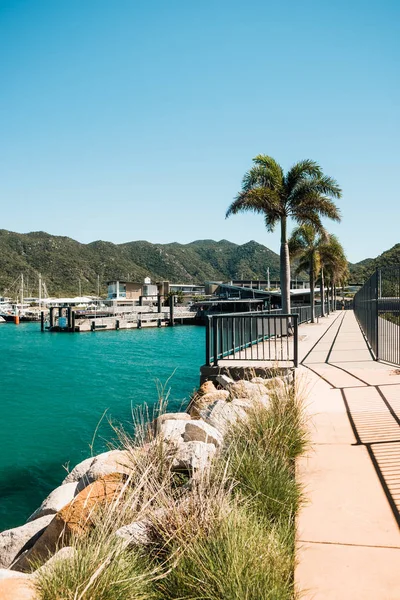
(187,289)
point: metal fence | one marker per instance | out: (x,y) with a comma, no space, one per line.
(377,308)
(255,336)
(304,312)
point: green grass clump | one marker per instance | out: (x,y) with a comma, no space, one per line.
(261,454)
(100,569)
(243,558)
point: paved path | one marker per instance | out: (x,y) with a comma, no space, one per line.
(348,531)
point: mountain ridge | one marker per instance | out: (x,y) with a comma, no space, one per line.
(66,264)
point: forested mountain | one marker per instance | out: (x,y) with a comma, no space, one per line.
(63,262)
(360,271)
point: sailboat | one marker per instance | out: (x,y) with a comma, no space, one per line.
(19,311)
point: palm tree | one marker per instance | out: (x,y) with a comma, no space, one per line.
(335,263)
(306,242)
(304,194)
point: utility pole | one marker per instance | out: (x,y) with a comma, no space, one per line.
(268,280)
(98,286)
(80,288)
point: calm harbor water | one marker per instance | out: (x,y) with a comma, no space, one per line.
(54,389)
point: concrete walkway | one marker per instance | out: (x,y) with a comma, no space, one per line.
(348,531)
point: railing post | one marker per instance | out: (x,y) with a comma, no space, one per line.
(296,341)
(215,340)
(208,340)
(378,294)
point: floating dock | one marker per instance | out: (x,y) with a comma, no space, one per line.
(66,320)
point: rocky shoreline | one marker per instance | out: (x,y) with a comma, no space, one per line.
(191,440)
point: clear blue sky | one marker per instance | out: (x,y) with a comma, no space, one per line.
(136,119)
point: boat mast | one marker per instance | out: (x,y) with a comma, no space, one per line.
(40,290)
(22,289)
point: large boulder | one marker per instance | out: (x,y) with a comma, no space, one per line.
(193,457)
(258,380)
(198,403)
(55,501)
(66,553)
(200,431)
(18,588)
(157,423)
(78,472)
(172,430)
(15,541)
(222,414)
(246,389)
(264,401)
(224,381)
(206,388)
(115,461)
(76,518)
(278,383)
(135,534)
(9,574)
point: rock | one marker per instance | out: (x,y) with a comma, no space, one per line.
(206,388)
(171,431)
(115,461)
(135,534)
(66,553)
(157,423)
(225,381)
(15,541)
(18,588)
(274,382)
(222,414)
(258,380)
(78,472)
(75,518)
(55,501)
(264,400)
(8,574)
(200,431)
(244,403)
(278,383)
(193,456)
(200,402)
(246,389)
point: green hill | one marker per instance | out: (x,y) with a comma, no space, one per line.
(63,261)
(360,271)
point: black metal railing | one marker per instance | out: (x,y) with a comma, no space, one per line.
(254,336)
(377,308)
(304,312)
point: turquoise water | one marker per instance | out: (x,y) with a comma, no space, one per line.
(54,389)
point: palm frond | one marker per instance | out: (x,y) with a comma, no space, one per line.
(302,170)
(298,242)
(313,187)
(304,217)
(257,200)
(269,163)
(314,203)
(260,176)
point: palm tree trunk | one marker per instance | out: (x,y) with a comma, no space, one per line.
(322,290)
(312,289)
(285,269)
